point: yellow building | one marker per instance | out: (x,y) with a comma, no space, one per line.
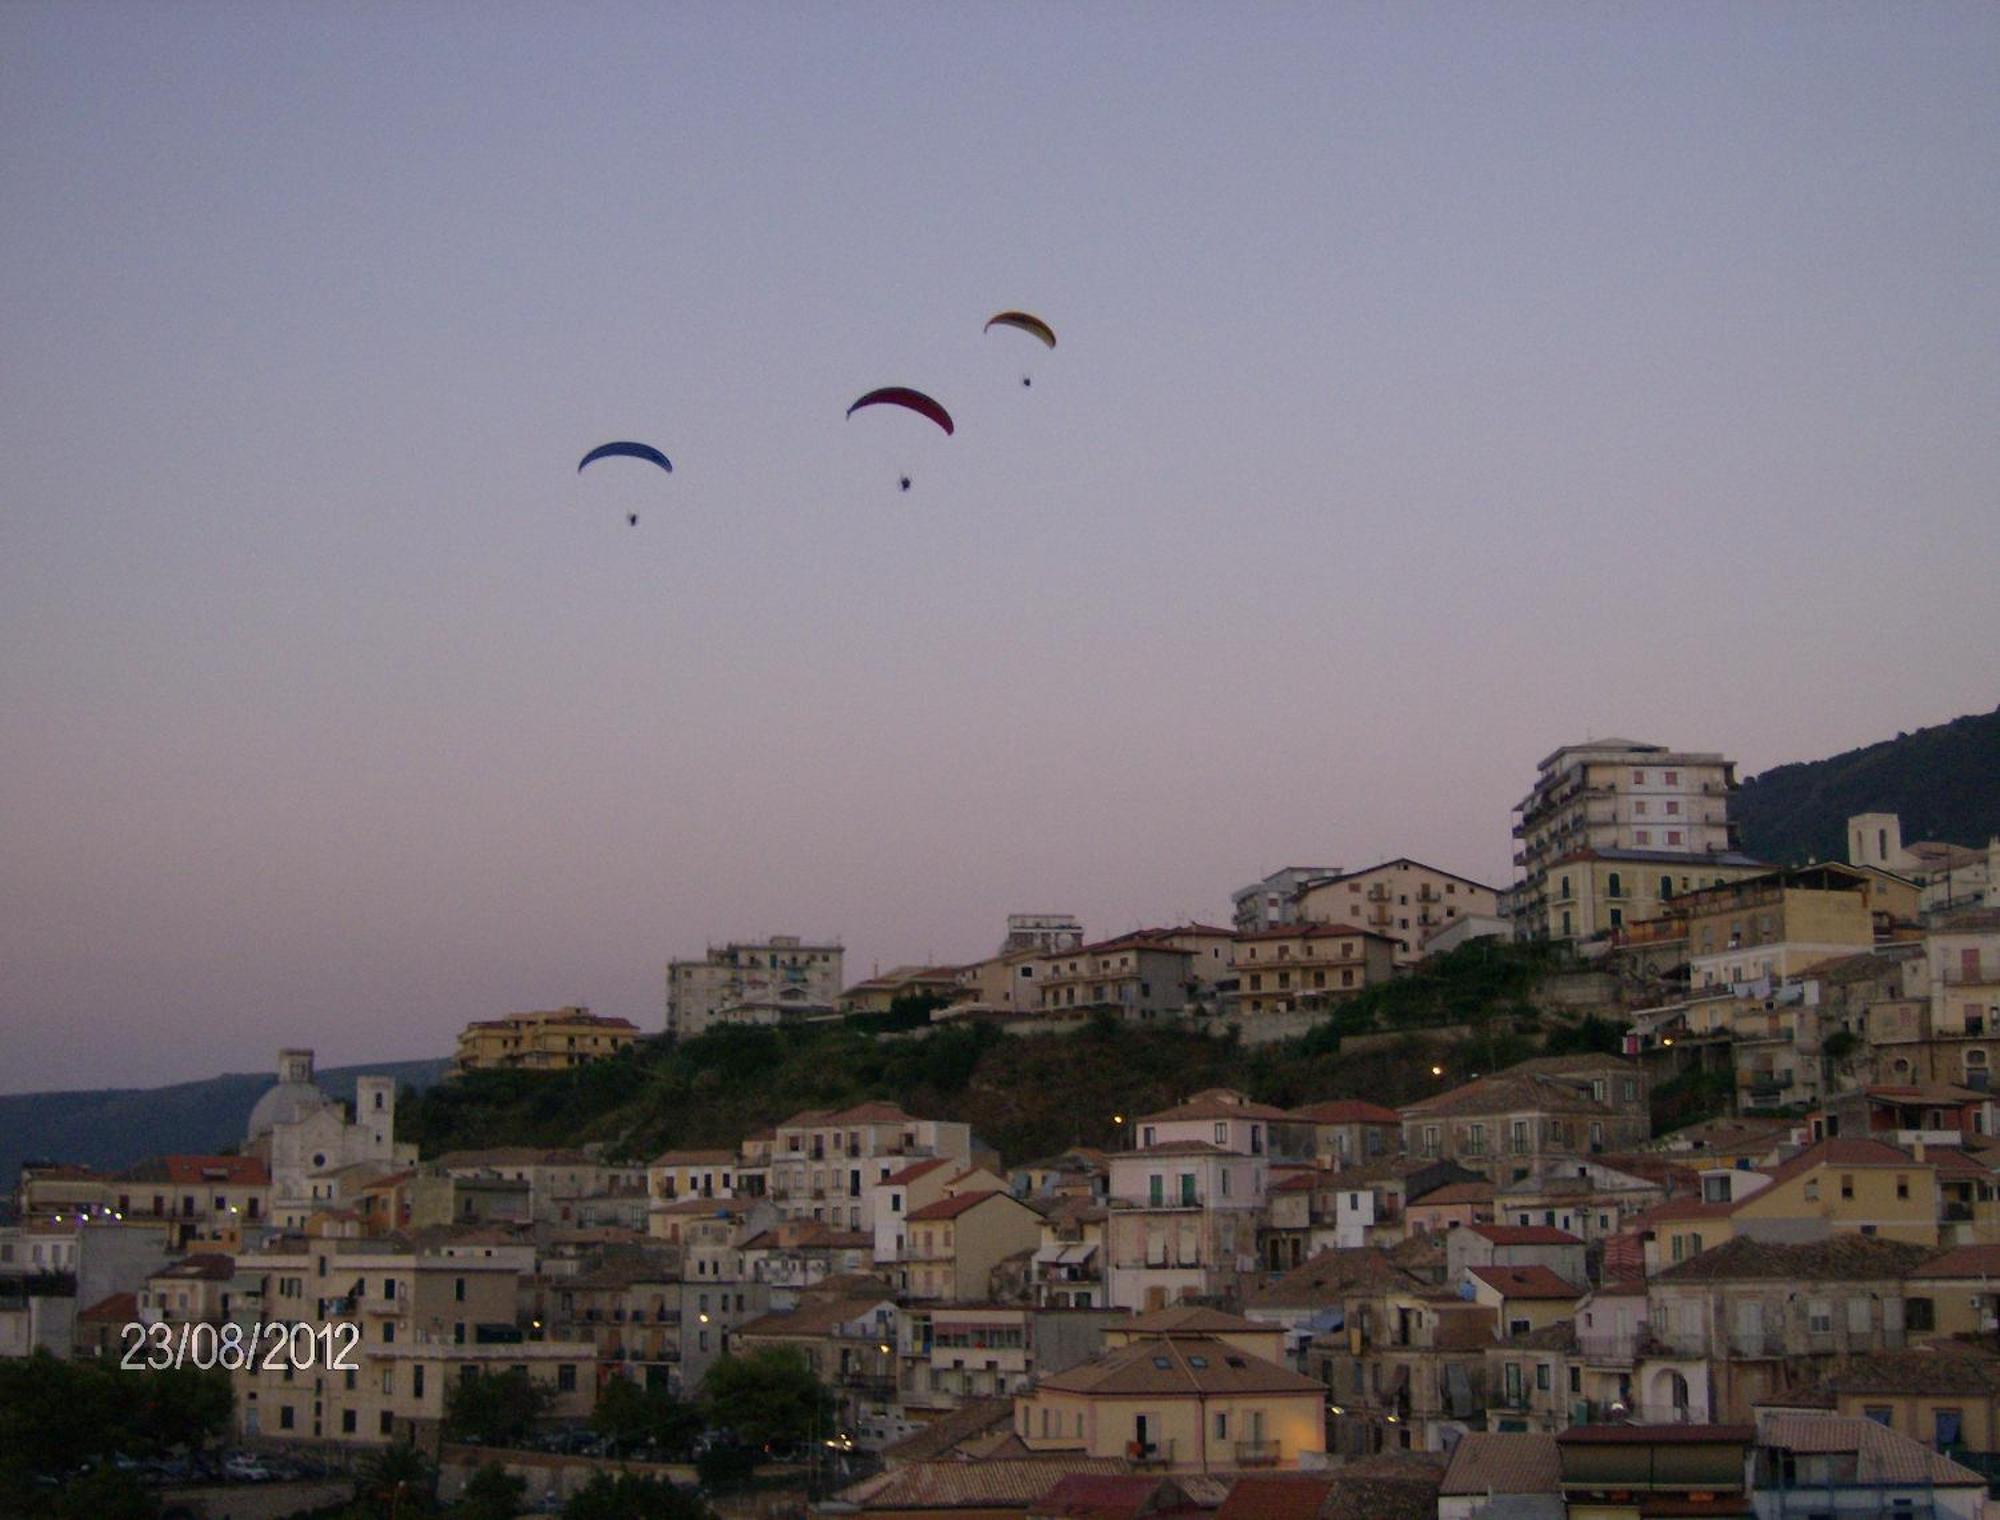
(1178,1403)
(1838,1187)
(1778,924)
(1956,1293)
(1945,1394)
(552,1041)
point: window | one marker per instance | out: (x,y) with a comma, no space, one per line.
(286,1419)
(566,1378)
(1542,1377)
(1881,1414)
(1902,1186)
(1918,1315)
(458,1289)
(1819,1317)
(347,1422)
(1614,885)
(1847,1184)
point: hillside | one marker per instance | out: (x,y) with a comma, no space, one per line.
(1943,781)
(1027,1096)
(116,1127)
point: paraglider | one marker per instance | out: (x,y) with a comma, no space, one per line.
(1028,323)
(644,451)
(915,401)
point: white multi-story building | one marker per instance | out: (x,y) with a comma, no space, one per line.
(1042,931)
(1613,799)
(762,982)
(1273,901)
(1182,1222)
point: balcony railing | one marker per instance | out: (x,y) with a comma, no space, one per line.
(1150,1453)
(1256,1453)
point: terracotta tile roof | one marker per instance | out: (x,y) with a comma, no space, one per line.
(1215,1105)
(118,1309)
(694,1158)
(1325,1279)
(975,1417)
(1486,1462)
(1107,1496)
(875,1112)
(1276,1496)
(1347,1111)
(814,1316)
(1524,1235)
(957,1204)
(1840,1258)
(1303,1182)
(1883,1455)
(195,1171)
(1188,1319)
(973,1485)
(1961,1261)
(913,1171)
(1944,1369)
(1510,1092)
(1182,1148)
(1534,1282)
(1558,1336)
(1191,1365)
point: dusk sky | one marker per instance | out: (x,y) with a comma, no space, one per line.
(1436,386)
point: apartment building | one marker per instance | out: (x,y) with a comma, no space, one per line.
(1775,926)
(554,1040)
(758,981)
(1402,900)
(416,1321)
(1183,1222)
(881,992)
(197,1200)
(1510,1125)
(1306,966)
(1747,1320)
(1649,814)
(1140,976)
(954,1244)
(824,1164)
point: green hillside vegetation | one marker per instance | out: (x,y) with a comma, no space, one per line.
(1027,1096)
(1943,781)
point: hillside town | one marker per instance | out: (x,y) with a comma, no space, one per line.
(1523,1294)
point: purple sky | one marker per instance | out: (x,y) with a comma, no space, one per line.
(1436,386)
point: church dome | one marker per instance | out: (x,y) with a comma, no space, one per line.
(285,1103)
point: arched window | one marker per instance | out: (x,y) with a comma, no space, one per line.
(1614,885)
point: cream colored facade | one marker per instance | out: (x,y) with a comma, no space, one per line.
(551,1041)
(1402,900)
(781,972)
(1308,965)
(1770,927)
(407,1325)
(1177,1404)
(1666,810)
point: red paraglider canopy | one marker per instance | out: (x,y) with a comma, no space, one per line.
(916,401)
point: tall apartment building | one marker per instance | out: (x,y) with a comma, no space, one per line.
(1611,823)
(758,981)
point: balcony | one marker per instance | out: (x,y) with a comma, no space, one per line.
(1150,1453)
(1256,1453)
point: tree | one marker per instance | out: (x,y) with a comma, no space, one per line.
(630,1415)
(495,1408)
(398,1482)
(769,1395)
(492,1493)
(628,1497)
